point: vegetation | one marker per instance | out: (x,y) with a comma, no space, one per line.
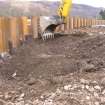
(102,14)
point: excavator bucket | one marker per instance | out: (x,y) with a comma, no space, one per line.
(48,25)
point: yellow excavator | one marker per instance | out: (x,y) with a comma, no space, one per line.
(49,24)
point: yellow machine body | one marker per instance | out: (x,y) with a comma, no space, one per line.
(64,8)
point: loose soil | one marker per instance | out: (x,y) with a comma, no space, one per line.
(41,67)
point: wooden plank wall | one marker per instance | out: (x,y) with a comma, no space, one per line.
(13,30)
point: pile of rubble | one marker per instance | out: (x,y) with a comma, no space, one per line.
(83,92)
(77,92)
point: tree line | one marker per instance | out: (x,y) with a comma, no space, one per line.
(102,14)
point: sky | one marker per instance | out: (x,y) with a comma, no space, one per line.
(95,3)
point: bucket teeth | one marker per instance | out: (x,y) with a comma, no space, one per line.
(47,35)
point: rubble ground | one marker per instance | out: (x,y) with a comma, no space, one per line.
(69,70)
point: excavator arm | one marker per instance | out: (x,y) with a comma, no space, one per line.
(64,8)
(48,24)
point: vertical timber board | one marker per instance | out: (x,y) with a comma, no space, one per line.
(1,37)
(91,22)
(5,34)
(68,25)
(25,26)
(58,29)
(65,27)
(71,23)
(3,44)
(88,21)
(78,22)
(20,29)
(82,24)
(75,22)
(35,26)
(13,31)
(94,21)
(62,28)
(85,22)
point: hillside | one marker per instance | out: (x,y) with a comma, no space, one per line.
(44,8)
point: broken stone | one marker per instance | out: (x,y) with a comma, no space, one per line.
(103,92)
(58,91)
(2,102)
(101,33)
(97,103)
(67,87)
(102,99)
(97,87)
(7,96)
(14,75)
(96,94)
(91,89)
(103,81)
(82,86)
(90,34)
(10,103)
(31,81)
(1,95)
(29,103)
(87,97)
(6,56)
(84,66)
(20,103)
(83,81)
(21,97)
(87,87)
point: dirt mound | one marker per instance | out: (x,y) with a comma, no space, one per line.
(42,67)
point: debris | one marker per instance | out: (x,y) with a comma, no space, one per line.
(22,95)
(31,81)
(14,74)
(67,87)
(97,87)
(86,67)
(83,81)
(7,96)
